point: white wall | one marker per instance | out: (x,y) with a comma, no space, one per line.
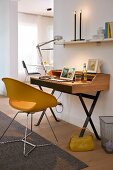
(95,14)
(8,39)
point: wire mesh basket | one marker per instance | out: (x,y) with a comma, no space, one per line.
(106,132)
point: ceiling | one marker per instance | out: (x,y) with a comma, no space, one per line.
(36,7)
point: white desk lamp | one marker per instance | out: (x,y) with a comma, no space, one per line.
(56,38)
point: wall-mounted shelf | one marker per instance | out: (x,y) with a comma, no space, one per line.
(98,41)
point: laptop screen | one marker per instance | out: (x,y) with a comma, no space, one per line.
(67,73)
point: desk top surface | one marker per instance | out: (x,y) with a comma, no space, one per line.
(100,82)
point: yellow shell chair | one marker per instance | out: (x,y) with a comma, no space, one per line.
(29,100)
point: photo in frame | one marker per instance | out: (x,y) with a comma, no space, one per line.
(92,65)
(67,73)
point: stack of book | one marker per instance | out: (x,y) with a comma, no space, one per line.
(108,29)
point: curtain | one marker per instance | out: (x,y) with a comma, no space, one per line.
(33,29)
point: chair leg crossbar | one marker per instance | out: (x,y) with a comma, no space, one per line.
(24,139)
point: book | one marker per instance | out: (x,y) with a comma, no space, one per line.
(107,30)
(111,28)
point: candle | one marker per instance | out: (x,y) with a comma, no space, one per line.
(75,25)
(80,23)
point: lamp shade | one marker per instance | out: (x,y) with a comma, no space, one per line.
(58,37)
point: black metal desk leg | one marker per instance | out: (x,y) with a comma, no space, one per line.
(52,109)
(40,119)
(54,115)
(88,118)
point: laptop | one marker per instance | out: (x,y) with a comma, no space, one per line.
(67,74)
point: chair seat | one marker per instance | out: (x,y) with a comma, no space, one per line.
(27,106)
(22,105)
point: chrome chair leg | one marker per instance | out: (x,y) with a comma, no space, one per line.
(25,139)
(20,140)
(25,135)
(51,127)
(31,122)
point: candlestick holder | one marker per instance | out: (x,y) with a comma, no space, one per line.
(80,31)
(80,27)
(75,26)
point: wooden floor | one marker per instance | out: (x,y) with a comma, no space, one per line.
(96,160)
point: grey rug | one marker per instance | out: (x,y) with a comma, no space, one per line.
(42,158)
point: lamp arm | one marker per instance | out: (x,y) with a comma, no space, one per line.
(41,44)
(41,57)
(39,49)
(40,54)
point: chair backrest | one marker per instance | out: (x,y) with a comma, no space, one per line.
(25,67)
(18,90)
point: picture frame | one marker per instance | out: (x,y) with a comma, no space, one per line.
(92,66)
(67,73)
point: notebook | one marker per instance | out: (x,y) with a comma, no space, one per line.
(67,74)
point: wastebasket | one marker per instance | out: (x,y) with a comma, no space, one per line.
(106,132)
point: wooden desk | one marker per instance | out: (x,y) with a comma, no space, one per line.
(98,83)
